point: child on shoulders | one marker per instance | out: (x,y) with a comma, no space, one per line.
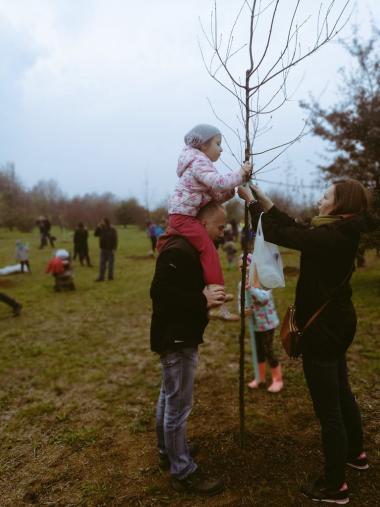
(199,183)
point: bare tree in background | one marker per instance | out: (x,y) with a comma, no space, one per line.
(261,90)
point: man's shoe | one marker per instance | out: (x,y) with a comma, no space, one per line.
(318,492)
(198,483)
(360,463)
(164,461)
(17,310)
(99,280)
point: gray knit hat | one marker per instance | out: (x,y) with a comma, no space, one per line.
(201,134)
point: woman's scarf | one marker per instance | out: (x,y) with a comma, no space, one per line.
(327,219)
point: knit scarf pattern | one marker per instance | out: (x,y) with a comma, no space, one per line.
(327,219)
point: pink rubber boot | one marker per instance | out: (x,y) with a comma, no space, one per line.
(254,384)
(277,383)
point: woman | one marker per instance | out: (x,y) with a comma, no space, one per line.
(328,249)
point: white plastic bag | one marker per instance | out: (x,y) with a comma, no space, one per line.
(267,260)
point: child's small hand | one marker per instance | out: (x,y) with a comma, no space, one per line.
(246,170)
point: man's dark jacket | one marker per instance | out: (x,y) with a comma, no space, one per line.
(327,257)
(107,237)
(179,305)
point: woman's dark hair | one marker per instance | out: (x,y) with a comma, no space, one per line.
(350,197)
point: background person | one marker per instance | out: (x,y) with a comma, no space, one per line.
(44,226)
(108,244)
(151,233)
(22,255)
(328,251)
(81,244)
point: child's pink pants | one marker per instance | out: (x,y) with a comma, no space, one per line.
(194,231)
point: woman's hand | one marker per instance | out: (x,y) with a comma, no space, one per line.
(263,199)
(245,193)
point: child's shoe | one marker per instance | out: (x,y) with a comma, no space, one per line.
(360,462)
(255,384)
(222,312)
(260,381)
(277,383)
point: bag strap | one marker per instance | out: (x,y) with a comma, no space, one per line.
(259,229)
(315,315)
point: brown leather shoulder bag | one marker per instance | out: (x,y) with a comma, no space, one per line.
(290,334)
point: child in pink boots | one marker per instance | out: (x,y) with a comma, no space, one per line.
(265,321)
(198,184)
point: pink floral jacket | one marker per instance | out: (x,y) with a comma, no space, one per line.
(264,311)
(199,183)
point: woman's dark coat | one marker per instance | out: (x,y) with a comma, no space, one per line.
(327,257)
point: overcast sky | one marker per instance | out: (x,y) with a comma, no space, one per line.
(98,94)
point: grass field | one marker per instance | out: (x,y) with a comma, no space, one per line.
(78,386)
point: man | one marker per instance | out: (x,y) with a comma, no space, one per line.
(108,243)
(180,303)
(44,226)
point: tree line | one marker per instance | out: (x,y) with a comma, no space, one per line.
(21,207)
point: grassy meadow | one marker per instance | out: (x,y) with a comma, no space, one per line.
(78,386)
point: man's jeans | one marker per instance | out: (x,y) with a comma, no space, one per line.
(106,257)
(337,411)
(174,406)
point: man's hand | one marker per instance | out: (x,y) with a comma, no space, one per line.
(214,295)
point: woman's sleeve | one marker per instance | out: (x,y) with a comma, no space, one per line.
(282,230)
